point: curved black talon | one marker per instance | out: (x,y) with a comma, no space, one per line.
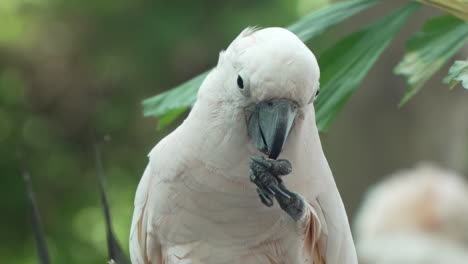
(294,206)
(278,189)
(265,199)
(265,173)
(268,188)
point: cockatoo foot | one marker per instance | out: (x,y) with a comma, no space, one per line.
(265,173)
(293,206)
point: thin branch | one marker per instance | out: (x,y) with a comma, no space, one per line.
(115,251)
(36,220)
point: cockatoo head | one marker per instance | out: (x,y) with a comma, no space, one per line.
(270,76)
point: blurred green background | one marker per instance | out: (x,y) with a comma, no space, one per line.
(74,71)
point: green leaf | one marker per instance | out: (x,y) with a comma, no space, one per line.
(457,8)
(317,22)
(458,73)
(168,118)
(182,96)
(308,27)
(428,50)
(346,63)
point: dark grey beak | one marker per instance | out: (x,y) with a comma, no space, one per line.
(269,123)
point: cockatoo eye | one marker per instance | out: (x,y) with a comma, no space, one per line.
(243,85)
(314,97)
(316,94)
(240,82)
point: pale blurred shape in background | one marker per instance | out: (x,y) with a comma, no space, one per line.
(419,215)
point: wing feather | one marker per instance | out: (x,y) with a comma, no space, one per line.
(314,237)
(142,250)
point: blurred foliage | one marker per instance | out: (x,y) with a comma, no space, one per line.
(427,52)
(458,73)
(174,101)
(317,22)
(458,8)
(430,49)
(70,70)
(346,63)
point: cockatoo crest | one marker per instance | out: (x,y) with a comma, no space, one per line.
(271,63)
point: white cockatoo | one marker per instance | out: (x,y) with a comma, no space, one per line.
(416,216)
(208,193)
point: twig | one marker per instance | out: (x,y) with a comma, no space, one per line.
(115,251)
(36,220)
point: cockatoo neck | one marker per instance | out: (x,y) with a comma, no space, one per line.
(221,135)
